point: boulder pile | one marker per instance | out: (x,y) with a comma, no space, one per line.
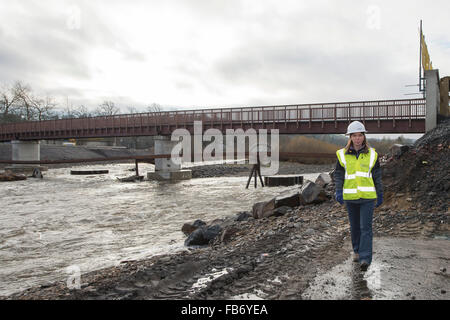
(200,233)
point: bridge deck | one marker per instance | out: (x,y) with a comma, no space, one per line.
(386,116)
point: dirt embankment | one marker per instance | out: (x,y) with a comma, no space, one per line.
(420,178)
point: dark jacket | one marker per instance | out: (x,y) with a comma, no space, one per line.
(339,174)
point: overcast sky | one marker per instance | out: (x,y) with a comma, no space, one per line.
(206,53)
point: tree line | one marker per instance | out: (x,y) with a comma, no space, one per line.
(18,102)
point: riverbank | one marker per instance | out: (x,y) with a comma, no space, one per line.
(243,170)
(94,222)
(277,258)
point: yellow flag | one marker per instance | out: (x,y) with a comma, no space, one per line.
(426,61)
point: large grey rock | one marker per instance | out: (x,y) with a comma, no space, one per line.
(203,235)
(323,180)
(312,193)
(289,198)
(188,228)
(263,209)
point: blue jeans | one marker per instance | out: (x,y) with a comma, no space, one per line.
(360,215)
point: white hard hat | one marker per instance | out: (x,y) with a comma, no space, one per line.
(354,127)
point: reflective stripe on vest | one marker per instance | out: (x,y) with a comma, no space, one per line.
(362,189)
(358,181)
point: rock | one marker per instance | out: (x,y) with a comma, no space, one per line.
(331,174)
(312,193)
(323,180)
(263,209)
(288,198)
(10,176)
(243,216)
(188,228)
(203,235)
(281,211)
(211,232)
(228,233)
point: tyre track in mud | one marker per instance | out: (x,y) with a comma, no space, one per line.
(279,271)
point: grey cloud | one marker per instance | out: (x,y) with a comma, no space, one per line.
(43,44)
(345,61)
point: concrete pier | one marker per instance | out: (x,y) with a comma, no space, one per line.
(432,98)
(166,169)
(26,151)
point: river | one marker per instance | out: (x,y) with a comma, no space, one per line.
(50,227)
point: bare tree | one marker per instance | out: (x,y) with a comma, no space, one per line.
(82,112)
(23,93)
(107,108)
(8,100)
(154,107)
(43,107)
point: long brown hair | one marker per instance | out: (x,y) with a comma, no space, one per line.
(365,144)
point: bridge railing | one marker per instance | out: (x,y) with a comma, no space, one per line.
(411,109)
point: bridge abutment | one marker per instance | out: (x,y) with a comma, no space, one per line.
(166,169)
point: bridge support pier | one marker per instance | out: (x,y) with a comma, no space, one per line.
(166,169)
(432,99)
(26,151)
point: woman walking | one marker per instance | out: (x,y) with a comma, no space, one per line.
(358,185)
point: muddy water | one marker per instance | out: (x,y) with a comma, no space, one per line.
(401,269)
(62,223)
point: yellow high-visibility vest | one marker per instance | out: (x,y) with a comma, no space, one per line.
(358,183)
